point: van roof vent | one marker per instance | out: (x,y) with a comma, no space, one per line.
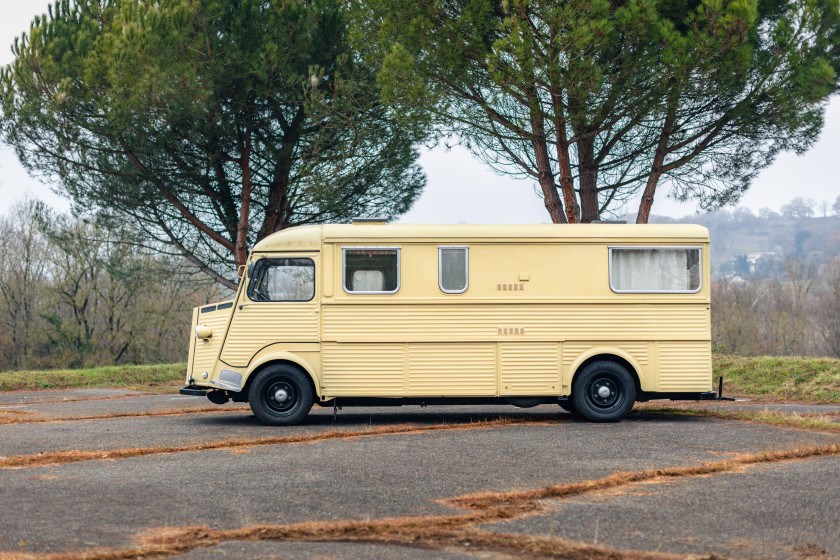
(370,220)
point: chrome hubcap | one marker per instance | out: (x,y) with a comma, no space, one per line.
(604,391)
(280,395)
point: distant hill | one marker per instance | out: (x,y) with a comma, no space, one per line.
(744,244)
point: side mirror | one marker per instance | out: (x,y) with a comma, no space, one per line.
(240,270)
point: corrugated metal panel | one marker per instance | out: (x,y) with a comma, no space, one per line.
(452,369)
(572,351)
(685,366)
(639,350)
(258,325)
(207,351)
(363,369)
(529,368)
(538,322)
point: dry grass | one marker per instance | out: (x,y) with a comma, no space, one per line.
(9,413)
(439,532)
(19,418)
(486,500)
(434,533)
(64,457)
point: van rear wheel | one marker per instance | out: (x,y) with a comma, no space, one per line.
(603,392)
(280,395)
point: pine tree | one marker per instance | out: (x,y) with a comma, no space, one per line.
(209,123)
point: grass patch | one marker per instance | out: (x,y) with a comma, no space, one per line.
(763,377)
(132,377)
(780,377)
(772,417)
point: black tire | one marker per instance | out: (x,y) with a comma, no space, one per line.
(271,381)
(603,392)
(568,406)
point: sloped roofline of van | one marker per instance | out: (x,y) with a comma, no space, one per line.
(303,238)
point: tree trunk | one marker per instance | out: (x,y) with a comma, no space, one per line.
(650,189)
(552,199)
(241,253)
(277,210)
(656,167)
(567,186)
(590,210)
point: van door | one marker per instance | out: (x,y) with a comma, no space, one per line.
(278,305)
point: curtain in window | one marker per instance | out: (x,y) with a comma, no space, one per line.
(653,270)
(368,281)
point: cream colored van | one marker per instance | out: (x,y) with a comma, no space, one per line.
(593,317)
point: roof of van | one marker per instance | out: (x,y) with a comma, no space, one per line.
(311,237)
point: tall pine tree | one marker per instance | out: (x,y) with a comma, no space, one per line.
(601,101)
(209,123)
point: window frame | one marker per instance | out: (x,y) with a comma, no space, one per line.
(699,248)
(264,262)
(370,248)
(466,249)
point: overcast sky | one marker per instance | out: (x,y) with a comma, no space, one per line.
(462,189)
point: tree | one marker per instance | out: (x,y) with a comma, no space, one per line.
(208,123)
(599,100)
(798,208)
(823,206)
(828,310)
(24,271)
(768,214)
(836,206)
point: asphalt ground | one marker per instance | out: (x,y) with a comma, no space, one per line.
(347,469)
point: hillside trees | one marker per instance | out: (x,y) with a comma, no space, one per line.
(74,293)
(799,208)
(794,312)
(23,277)
(600,102)
(207,123)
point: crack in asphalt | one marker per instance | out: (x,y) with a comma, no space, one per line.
(19,417)
(66,457)
(439,532)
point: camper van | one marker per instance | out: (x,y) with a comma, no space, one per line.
(590,317)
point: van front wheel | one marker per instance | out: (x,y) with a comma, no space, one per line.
(280,395)
(603,392)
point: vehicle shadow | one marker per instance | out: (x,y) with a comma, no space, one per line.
(394,416)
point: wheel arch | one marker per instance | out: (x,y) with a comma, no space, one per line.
(622,358)
(277,358)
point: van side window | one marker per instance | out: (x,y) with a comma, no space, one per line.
(371,270)
(655,269)
(283,280)
(453,269)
